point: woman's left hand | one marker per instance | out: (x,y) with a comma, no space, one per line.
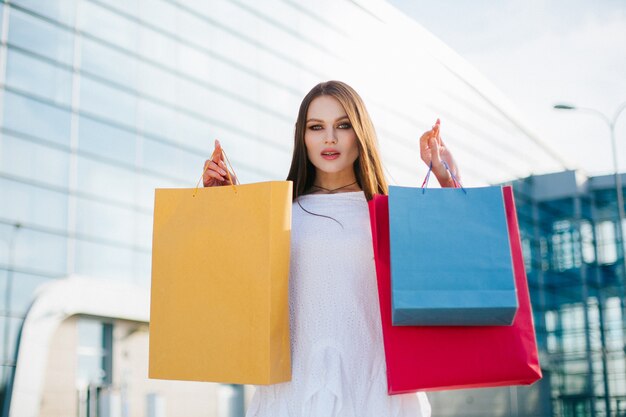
(432,149)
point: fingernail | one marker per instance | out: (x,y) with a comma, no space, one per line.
(222,172)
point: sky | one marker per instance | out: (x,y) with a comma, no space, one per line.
(540,53)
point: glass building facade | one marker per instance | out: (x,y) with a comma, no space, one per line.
(101,102)
(576,272)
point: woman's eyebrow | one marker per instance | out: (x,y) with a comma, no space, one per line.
(320,120)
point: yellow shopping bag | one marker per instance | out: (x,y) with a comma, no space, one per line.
(219,298)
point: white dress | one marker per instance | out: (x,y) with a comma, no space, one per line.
(338,360)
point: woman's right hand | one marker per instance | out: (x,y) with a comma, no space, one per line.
(215,171)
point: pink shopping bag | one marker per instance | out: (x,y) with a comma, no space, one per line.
(442,358)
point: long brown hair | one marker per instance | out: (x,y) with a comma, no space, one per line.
(367,167)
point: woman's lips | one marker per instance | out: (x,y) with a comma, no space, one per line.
(330,156)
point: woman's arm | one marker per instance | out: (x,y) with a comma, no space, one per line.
(433,150)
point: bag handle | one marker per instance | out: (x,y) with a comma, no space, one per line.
(227,172)
(457,183)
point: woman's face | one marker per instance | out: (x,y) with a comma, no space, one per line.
(330,141)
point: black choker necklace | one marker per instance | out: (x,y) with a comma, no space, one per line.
(334,189)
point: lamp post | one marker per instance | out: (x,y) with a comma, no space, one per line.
(618,181)
(621,248)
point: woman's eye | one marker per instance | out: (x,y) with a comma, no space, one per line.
(315,127)
(345,126)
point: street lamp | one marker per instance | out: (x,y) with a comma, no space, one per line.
(621,249)
(618,180)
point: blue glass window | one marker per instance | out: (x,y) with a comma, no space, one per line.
(108,26)
(33,205)
(34,118)
(105,180)
(158,120)
(108,63)
(23,290)
(63,12)
(147,185)
(7,347)
(39,36)
(41,251)
(106,140)
(95,352)
(105,221)
(160,157)
(142,271)
(104,261)
(39,78)
(108,102)
(23,158)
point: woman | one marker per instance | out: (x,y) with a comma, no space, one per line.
(338,362)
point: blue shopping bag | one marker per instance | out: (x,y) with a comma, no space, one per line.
(451,262)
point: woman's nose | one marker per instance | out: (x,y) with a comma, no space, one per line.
(330,137)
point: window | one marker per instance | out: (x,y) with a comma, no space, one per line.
(104,261)
(95,353)
(607,247)
(586,241)
(63,12)
(527,253)
(39,251)
(106,140)
(23,291)
(39,36)
(37,119)
(565,248)
(39,78)
(108,63)
(108,26)
(105,221)
(27,159)
(105,180)
(32,205)
(108,102)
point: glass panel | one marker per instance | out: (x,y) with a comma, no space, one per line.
(586,240)
(147,185)
(607,249)
(108,26)
(161,157)
(105,180)
(107,102)
(130,7)
(157,47)
(23,291)
(89,370)
(28,159)
(108,63)
(41,251)
(33,205)
(95,345)
(61,11)
(8,345)
(143,267)
(39,78)
(527,253)
(106,140)
(40,37)
(1,24)
(143,223)
(104,261)
(37,119)
(90,334)
(104,221)
(158,120)
(159,13)
(155,82)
